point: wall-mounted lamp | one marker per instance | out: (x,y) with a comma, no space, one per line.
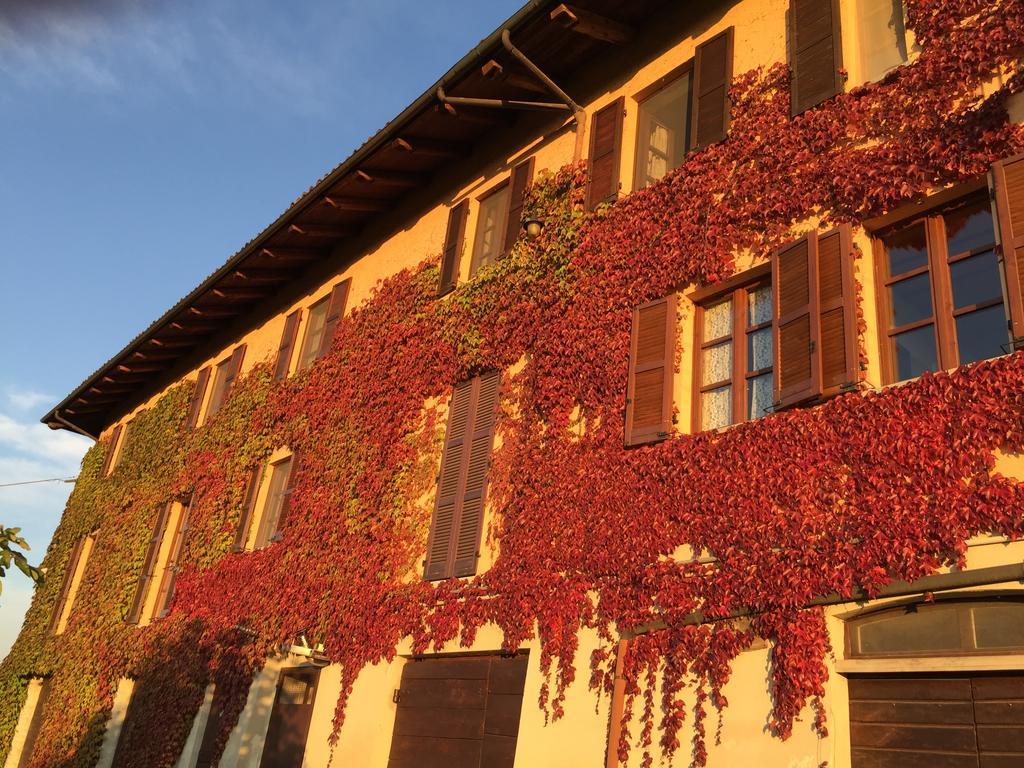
(533,228)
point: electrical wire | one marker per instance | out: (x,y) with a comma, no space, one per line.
(35,482)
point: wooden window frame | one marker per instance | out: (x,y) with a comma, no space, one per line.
(73,572)
(257,521)
(308,313)
(736,288)
(653,89)
(504,185)
(944,315)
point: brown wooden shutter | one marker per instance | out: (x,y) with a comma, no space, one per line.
(816,52)
(837,310)
(443,525)
(290,717)
(284,350)
(65,588)
(454,241)
(522,175)
(335,310)
(651,368)
(149,565)
(795,321)
(170,575)
(252,490)
(108,457)
(197,398)
(478,459)
(1008,192)
(712,75)
(208,752)
(289,489)
(605,149)
(234,370)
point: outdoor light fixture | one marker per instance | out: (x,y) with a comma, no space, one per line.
(533,228)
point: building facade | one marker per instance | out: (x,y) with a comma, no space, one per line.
(658,365)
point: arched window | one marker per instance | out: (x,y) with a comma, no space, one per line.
(954,627)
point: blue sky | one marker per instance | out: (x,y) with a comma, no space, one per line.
(145,142)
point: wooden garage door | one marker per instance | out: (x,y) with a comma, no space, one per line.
(937,722)
(459,712)
(290,718)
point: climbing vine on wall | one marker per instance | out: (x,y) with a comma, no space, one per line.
(868,488)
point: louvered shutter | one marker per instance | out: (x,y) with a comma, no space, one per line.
(284,349)
(837,310)
(335,310)
(454,241)
(1008,192)
(605,148)
(651,364)
(522,175)
(252,490)
(477,458)
(289,489)
(108,457)
(197,398)
(439,564)
(233,371)
(170,575)
(712,75)
(816,52)
(65,588)
(149,565)
(795,322)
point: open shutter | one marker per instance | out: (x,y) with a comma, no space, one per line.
(470,516)
(795,321)
(284,350)
(65,588)
(286,498)
(197,398)
(170,575)
(288,729)
(605,148)
(1008,193)
(149,565)
(234,369)
(208,752)
(252,490)
(837,308)
(335,310)
(454,240)
(108,457)
(442,527)
(712,75)
(816,52)
(651,368)
(522,175)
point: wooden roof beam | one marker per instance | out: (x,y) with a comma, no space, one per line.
(320,230)
(187,325)
(390,178)
(229,293)
(493,70)
(288,254)
(592,25)
(358,204)
(176,342)
(213,313)
(430,147)
(151,368)
(261,275)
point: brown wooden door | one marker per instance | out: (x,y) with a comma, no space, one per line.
(459,712)
(937,721)
(290,718)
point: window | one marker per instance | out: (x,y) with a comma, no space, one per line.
(882,31)
(454,540)
(490,228)
(288,730)
(165,593)
(35,704)
(224,376)
(161,559)
(734,368)
(316,319)
(73,574)
(941,291)
(115,449)
(663,129)
(279,490)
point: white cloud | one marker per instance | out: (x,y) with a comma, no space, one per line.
(27,399)
(59,449)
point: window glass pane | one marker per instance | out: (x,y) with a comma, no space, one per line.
(911,300)
(883,36)
(716,408)
(759,305)
(759,396)
(314,334)
(975,280)
(982,334)
(272,506)
(220,381)
(759,350)
(915,353)
(907,249)
(926,630)
(970,227)
(716,364)
(718,321)
(487,244)
(998,625)
(663,126)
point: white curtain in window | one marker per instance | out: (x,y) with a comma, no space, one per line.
(883,36)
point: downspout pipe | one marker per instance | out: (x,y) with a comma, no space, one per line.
(68,425)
